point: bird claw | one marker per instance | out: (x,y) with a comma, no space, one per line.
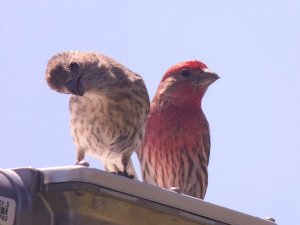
(82,163)
(270,219)
(124,174)
(175,189)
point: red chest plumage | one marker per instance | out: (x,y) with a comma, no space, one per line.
(177,145)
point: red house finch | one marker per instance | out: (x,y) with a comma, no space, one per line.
(108,106)
(176,147)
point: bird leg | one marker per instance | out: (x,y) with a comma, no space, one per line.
(82,163)
(124,173)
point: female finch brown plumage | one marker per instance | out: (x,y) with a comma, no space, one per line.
(108,106)
(176,147)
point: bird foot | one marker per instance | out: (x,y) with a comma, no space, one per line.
(175,189)
(82,163)
(270,219)
(124,174)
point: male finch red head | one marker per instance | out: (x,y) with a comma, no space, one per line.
(176,147)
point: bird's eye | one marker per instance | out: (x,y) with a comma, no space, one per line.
(74,66)
(185,73)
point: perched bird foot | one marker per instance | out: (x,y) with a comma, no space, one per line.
(82,163)
(175,189)
(124,174)
(270,219)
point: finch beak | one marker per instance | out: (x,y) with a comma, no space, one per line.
(75,86)
(211,75)
(206,78)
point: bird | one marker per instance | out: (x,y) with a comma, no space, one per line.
(176,146)
(108,107)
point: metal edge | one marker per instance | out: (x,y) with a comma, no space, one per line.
(149,192)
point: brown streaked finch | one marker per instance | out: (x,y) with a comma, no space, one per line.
(176,147)
(108,105)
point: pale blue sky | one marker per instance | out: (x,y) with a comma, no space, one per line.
(253,109)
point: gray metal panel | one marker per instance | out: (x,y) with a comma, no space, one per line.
(18,185)
(84,203)
(79,195)
(182,204)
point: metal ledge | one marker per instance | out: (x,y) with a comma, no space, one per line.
(76,195)
(143,195)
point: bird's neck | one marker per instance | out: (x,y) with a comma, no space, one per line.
(181,101)
(175,126)
(174,116)
(175,112)
(182,97)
